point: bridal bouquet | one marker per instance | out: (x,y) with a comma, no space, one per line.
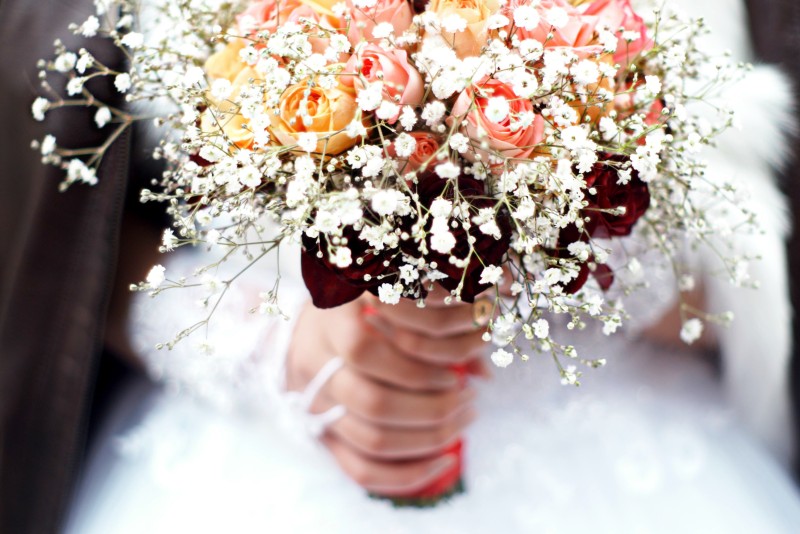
(469,143)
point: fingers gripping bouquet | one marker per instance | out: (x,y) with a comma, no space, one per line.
(461,143)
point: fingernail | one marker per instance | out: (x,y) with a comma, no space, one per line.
(368,310)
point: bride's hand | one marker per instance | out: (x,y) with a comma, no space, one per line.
(404,402)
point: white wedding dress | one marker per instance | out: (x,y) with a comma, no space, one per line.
(658,441)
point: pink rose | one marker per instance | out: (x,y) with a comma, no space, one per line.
(265,15)
(402,84)
(427,145)
(625,104)
(619,16)
(577,33)
(395,12)
(270,14)
(506,137)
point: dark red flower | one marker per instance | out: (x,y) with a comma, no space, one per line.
(602,273)
(199,160)
(332,286)
(609,194)
(487,249)
(420,5)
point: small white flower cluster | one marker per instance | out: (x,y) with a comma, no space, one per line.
(406,148)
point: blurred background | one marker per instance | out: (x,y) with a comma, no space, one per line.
(63,283)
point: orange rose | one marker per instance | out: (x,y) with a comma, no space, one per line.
(476,12)
(424,151)
(328,112)
(504,136)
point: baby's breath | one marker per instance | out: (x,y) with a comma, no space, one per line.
(333,128)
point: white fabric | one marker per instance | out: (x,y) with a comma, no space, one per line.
(648,444)
(756,348)
(655,442)
(302,401)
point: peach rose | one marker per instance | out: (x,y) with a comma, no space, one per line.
(323,7)
(476,12)
(396,12)
(425,149)
(402,84)
(318,44)
(266,15)
(226,63)
(596,109)
(616,14)
(328,112)
(271,14)
(625,104)
(504,137)
(577,33)
(225,115)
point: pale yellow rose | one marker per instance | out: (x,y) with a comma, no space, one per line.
(227,63)
(329,111)
(224,117)
(595,109)
(476,13)
(323,7)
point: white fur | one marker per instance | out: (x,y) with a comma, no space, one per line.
(756,348)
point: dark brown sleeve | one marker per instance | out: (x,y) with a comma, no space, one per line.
(58,258)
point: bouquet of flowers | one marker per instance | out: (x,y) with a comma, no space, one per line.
(458,142)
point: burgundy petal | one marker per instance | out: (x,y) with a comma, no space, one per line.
(326,288)
(604,276)
(578,282)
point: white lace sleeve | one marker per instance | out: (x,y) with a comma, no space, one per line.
(235,361)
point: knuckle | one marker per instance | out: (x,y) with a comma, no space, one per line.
(372,401)
(412,343)
(441,436)
(438,323)
(441,410)
(377,441)
(357,356)
(357,348)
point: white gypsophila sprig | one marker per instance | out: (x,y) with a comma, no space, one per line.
(417,165)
